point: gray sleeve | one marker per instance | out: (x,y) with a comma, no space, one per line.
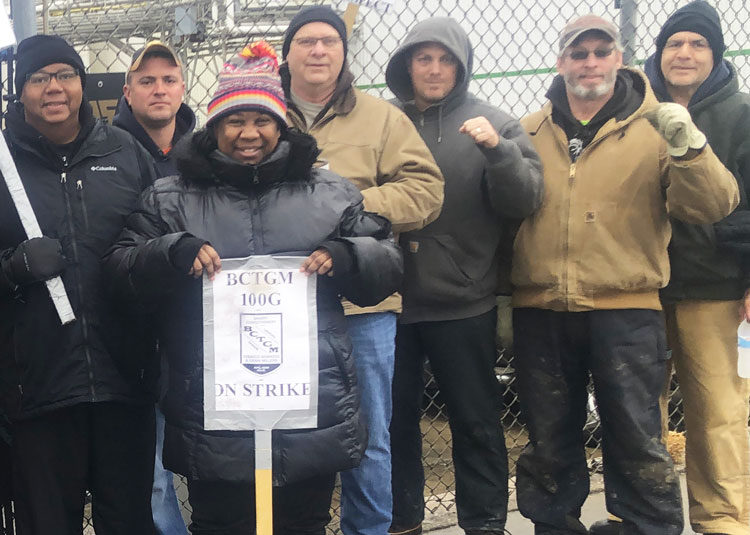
(513,176)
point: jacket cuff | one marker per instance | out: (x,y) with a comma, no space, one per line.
(342,255)
(504,152)
(183,252)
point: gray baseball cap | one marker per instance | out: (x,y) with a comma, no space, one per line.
(587,23)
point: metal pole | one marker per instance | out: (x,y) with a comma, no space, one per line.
(628,25)
(24,18)
(45,16)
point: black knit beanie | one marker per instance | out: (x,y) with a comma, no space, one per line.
(698,17)
(313,14)
(38,51)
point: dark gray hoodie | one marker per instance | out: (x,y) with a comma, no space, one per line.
(451,265)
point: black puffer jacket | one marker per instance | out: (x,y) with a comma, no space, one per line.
(83,200)
(281,206)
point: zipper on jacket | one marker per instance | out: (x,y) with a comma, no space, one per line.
(79,286)
(255,176)
(566,253)
(571,178)
(82,199)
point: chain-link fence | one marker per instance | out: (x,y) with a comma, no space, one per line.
(515,52)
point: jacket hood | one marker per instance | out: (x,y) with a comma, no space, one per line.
(21,131)
(722,74)
(639,99)
(124,118)
(198,159)
(443,31)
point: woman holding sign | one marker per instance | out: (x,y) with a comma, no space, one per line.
(248,187)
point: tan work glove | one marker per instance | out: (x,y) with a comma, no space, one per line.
(674,124)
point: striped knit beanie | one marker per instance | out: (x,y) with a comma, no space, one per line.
(249,81)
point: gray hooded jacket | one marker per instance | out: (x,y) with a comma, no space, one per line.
(451,265)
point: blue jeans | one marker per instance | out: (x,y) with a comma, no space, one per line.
(164,505)
(366,498)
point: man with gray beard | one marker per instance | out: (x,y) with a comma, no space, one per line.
(587,269)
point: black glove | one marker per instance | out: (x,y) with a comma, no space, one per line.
(34,260)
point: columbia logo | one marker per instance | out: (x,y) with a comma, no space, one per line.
(103,168)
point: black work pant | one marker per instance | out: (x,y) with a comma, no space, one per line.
(107,448)
(221,508)
(462,356)
(625,351)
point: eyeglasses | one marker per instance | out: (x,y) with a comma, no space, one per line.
(579,55)
(309,42)
(41,78)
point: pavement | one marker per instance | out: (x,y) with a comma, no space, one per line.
(594,509)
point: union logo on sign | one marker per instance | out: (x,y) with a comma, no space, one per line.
(261,342)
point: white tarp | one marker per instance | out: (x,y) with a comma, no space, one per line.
(7,37)
(381,6)
(260,345)
(20,199)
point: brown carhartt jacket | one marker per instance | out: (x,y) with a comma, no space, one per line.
(600,239)
(374,144)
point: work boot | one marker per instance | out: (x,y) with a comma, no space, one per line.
(607,527)
(402,530)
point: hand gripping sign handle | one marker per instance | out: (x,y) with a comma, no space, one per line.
(31,227)
(263,483)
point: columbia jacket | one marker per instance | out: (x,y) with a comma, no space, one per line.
(600,239)
(280,206)
(451,265)
(374,145)
(184,124)
(703,268)
(106,354)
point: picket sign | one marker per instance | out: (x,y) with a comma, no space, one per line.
(260,357)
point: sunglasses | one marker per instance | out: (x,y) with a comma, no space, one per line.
(600,53)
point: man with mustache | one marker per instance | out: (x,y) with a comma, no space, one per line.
(587,269)
(451,269)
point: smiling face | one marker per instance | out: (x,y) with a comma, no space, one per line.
(52,107)
(316,68)
(433,72)
(155,91)
(247,136)
(589,67)
(686,61)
